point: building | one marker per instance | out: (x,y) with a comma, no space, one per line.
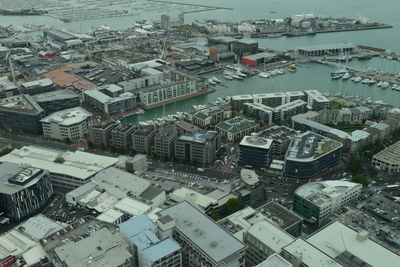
(143,139)
(24,190)
(332,49)
(165,20)
(281,136)
(147,249)
(164,142)
(8,88)
(317,201)
(21,114)
(184,127)
(316,100)
(236,128)
(62,39)
(207,116)
(351,248)
(203,242)
(38,86)
(199,148)
(67,169)
(58,100)
(101,248)
(67,125)
(255,151)
(388,159)
(39,227)
(238,101)
(201,201)
(248,188)
(244,47)
(275,261)
(259,58)
(121,136)
(100,133)
(301,253)
(263,240)
(310,155)
(110,99)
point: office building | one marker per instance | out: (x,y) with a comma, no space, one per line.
(7,88)
(24,190)
(352,248)
(67,125)
(38,86)
(317,201)
(248,188)
(185,128)
(121,136)
(110,99)
(255,151)
(326,49)
(199,148)
(207,116)
(388,159)
(203,242)
(147,249)
(21,114)
(281,136)
(57,100)
(264,239)
(310,155)
(236,128)
(315,100)
(164,142)
(100,248)
(100,133)
(238,101)
(143,139)
(67,169)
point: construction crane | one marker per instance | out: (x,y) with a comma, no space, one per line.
(8,57)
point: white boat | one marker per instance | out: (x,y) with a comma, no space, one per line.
(241,74)
(372,81)
(357,79)
(346,76)
(385,85)
(228,77)
(264,75)
(215,79)
(365,81)
(395,86)
(337,76)
(237,77)
(379,83)
(212,82)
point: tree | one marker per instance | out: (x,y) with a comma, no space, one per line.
(372,171)
(355,165)
(215,215)
(233,205)
(360,179)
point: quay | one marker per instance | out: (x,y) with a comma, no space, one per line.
(187,4)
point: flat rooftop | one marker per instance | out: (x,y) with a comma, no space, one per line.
(279,133)
(207,235)
(237,125)
(20,104)
(390,154)
(256,142)
(78,164)
(68,117)
(330,46)
(55,95)
(40,226)
(286,218)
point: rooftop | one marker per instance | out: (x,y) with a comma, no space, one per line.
(201,138)
(136,225)
(249,176)
(390,154)
(237,125)
(20,103)
(105,99)
(68,117)
(161,249)
(78,164)
(193,197)
(204,233)
(275,260)
(279,133)
(310,146)
(279,215)
(40,226)
(256,142)
(336,238)
(55,95)
(38,83)
(326,46)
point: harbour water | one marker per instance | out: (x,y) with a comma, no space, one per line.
(314,76)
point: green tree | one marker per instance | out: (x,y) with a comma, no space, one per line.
(360,179)
(233,205)
(355,166)
(215,215)
(372,171)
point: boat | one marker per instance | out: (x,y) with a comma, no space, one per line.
(228,77)
(346,76)
(357,79)
(372,81)
(212,82)
(385,85)
(241,74)
(311,31)
(379,84)
(292,68)
(264,75)
(395,86)
(237,77)
(363,57)
(215,79)
(337,76)
(339,72)
(365,81)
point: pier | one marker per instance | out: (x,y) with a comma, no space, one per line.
(187,4)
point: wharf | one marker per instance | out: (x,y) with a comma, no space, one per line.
(188,4)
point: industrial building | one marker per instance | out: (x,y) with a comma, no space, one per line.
(255,152)
(57,100)
(203,242)
(332,49)
(317,201)
(21,114)
(100,133)
(24,190)
(199,148)
(110,99)
(388,159)
(236,128)
(67,169)
(62,39)
(67,125)
(310,155)
(259,58)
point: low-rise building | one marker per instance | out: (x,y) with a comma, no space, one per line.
(310,155)
(21,114)
(388,159)
(207,116)
(7,88)
(67,125)
(236,128)
(275,260)
(38,86)
(143,139)
(100,133)
(317,201)
(164,142)
(57,100)
(255,151)
(199,148)
(24,190)
(67,169)
(316,100)
(121,136)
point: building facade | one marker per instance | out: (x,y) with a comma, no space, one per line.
(164,142)
(143,139)
(121,136)
(255,151)
(100,133)
(57,100)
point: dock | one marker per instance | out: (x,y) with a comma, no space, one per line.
(195,5)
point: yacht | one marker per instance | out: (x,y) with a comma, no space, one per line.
(263,75)
(379,83)
(237,77)
(228,77)
(241,74)
(346,76)
(395,86)
(372,81)
(385,85)
(337,76)
(215,79)
(365,81)
(357,79)
(212,82)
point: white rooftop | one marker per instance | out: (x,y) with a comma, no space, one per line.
(40,226)
(193,197)
(256,142)
(110,216)
(78,164)
(337,238)
(68,117)
(331,189)
(249,176)
(132,207)
(275,260)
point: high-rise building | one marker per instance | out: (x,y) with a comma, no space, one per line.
(143,139)
(24,190)
(164,142)
(255,151)
(121,136)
